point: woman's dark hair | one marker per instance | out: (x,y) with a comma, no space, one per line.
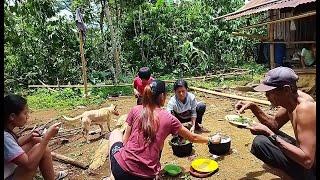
(180,83)
(150,100)
(13,104)
(144,73)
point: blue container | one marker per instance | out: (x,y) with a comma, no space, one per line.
(279,53)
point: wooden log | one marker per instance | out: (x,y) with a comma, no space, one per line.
(232,96)
(100,155)
(67,160)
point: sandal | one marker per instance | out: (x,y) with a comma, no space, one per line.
(61,175)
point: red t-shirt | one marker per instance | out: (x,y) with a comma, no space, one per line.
(138,85)
(137,156)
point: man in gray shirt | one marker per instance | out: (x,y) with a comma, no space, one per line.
(184,106)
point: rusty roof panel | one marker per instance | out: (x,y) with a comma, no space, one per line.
(256,6)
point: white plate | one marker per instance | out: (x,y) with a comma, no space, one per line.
(232,120)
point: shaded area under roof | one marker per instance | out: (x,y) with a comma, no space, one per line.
(256,6)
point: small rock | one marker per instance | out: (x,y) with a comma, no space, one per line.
(81,107)
(64,140)
(234,151)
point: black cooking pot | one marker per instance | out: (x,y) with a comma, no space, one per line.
(181,150)
(222,148)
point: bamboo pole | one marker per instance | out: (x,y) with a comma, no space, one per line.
(271,37)
(281,20)
(232,96)
(84,67)
(250,36)
(46,86)
(289,42)
(242,71)
(77,86)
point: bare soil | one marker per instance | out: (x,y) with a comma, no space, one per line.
(239,163)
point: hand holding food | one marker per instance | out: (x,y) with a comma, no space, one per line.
(215,139)
(242,105)
(52,131)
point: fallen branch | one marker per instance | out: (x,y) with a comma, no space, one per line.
(232,96)
(67,160)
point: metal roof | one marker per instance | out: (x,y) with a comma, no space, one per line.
(256,6)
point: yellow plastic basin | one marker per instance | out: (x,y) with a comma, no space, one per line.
(204,165)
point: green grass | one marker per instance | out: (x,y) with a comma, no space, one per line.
(69,98)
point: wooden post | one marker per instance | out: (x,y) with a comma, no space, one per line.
(84,66)
(271,35)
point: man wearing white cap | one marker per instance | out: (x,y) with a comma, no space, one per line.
(296,156)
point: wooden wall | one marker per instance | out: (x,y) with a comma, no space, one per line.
(305,27)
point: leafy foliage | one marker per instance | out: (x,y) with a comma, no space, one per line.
(173,39)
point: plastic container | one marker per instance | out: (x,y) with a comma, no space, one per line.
(172,169)
(279,53)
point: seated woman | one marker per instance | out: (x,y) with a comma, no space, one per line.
(23,156)
(136,154)
(185,107)
(308,55)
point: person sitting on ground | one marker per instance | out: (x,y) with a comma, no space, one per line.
(139,83)
(136,154)
(23,155)
(308,56)
(296,157)
(184,106)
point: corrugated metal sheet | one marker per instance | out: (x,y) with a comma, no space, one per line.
(256,6)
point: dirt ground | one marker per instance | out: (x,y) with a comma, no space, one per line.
(239,163)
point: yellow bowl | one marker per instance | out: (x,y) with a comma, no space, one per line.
(204,165)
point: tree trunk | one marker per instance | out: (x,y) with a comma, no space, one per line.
(114,44)
(141,43)
(102,17)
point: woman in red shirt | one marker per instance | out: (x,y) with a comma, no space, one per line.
(136,154)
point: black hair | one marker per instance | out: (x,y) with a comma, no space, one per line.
(180,83)
(144,73)
(149,121)
(13,104)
